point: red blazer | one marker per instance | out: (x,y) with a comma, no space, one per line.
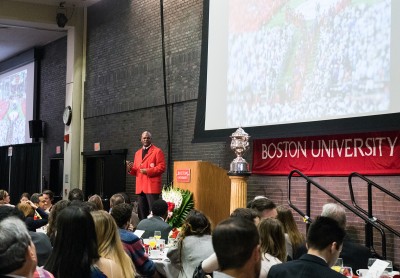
(154,163)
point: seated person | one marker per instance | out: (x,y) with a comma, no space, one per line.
(353,254)
(295,241)
(273,244)
(40,240)
(30,210)
(264,206)
(17,252)
(236,244)
(157,221)
(132,244)
(194,244)
(325,241)
(109,242)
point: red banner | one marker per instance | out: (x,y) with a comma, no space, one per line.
(336,155)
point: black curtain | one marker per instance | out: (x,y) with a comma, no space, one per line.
(25,170)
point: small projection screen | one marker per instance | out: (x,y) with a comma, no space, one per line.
(17,89)
(288,68)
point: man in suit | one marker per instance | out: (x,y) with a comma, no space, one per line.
(157,221)
(237,245)
(353,254)
(325,241)
(148,166)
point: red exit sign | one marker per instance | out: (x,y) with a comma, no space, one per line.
(183,175)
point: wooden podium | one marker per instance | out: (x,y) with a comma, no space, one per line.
(210,185)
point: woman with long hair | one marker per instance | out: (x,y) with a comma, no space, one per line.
(194,244)
(109,242)
(75,251)
(273,246)
(295,241)
(55,211)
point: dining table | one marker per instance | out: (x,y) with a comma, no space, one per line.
(163,264)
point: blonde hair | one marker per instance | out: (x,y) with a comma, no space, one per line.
(26,209)
(289,226)
(109,242)
(272,238)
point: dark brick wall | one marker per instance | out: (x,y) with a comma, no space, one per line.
(52,98)
(124,96)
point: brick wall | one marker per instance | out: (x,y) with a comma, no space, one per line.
(124,96)
(52,98)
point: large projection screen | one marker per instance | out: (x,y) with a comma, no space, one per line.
(298,68)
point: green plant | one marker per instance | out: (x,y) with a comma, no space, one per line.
(180,202)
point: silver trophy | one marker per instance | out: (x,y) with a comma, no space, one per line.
(239,144)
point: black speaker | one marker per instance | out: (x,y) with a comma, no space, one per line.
(36,129)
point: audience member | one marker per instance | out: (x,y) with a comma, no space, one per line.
(247,213)
(96,199)
(273,244)
(236,244)
(29,210)
(115,200)
(325,240)
(194,244)
(40,240)
(75,253)
(295,241)
(17,252)
(52,227)
(211,263)
(48,196)
(157,221)
(24,197)
(4,198)
(353,254)
(132,244)
(110,245)
(134,217)
(76,194)
(264,206)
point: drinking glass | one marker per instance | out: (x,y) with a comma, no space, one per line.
(157,234)
(338,265)
(152,242)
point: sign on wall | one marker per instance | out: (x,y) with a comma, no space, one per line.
(336,155)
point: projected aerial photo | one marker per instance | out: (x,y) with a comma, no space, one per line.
(297,61)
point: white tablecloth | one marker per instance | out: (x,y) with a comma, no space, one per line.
(164,266)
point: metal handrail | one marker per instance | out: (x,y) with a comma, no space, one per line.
(307,217)
(369,214)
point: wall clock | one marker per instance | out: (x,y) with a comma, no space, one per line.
(67,116)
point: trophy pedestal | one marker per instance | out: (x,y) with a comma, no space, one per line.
(238,191)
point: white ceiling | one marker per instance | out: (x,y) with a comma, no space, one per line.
(15,38)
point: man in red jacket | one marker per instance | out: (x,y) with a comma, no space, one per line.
(148,166)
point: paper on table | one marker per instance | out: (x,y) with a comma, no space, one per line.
(139,233)
(377,268)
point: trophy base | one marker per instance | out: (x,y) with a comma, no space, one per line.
(239,167)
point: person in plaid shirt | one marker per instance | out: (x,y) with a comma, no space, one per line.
(132,244)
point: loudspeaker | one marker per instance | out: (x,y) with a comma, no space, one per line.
(36,129)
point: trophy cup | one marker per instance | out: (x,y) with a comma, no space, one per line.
(239,144)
